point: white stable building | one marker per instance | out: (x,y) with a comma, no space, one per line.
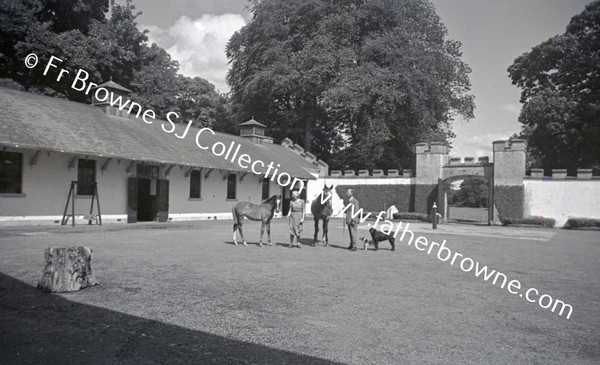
(141,172)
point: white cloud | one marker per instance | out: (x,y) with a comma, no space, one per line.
(477,146)
(199,44)
(512,108)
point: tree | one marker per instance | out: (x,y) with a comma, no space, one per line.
(560,82)
(113,48)
(65,15)
(100,46)
(357,82)
(473,193)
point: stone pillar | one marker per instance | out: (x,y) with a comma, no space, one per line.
(510,162)
(431,159)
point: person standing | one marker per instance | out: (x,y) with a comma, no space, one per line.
(296,218)
(353,207)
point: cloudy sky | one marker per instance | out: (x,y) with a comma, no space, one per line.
(493,33)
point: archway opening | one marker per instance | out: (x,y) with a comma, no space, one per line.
(467,199)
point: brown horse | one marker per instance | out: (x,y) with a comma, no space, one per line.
(321,209)
(255,212)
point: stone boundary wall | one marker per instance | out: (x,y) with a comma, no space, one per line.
(515,195)
(392,173)
(561,174)
(560,196)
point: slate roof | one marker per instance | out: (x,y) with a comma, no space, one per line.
(41,122)
(252,122)
(113,85)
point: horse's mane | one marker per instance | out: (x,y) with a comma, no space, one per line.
(268,200)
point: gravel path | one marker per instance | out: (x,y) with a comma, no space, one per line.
(183,293)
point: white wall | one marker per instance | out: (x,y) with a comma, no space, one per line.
(562,199)
(213,201)
(316,187)
(46,187)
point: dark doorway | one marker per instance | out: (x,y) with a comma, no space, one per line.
(148,200)
(286,197)
(303,192)
(162,200)
(146,204)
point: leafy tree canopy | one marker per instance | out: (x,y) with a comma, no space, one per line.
(473,192)
(560,82)
(80,33)
(357,82)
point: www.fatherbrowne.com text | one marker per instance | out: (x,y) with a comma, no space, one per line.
(465,263)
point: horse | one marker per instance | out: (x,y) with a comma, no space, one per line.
(321,209)
(256,212)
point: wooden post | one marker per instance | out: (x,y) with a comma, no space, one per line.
(98,203)
(65,219)
(74,184)
(434,215)
(92,206)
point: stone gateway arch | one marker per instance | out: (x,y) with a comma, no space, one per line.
(436,170)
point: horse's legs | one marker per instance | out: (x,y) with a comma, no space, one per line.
(316,228)
(262,231)
(269,232)
(242,233)
(235,227)
(326,231)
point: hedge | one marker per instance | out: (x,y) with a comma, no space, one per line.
(582,223)
(509,201)
(534,220)
(377,198)
(425,196)
(411,216)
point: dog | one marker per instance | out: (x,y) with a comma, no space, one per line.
(377,237)
(366,242)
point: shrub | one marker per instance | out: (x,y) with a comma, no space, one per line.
(411,216)
(535,220)
(582,223)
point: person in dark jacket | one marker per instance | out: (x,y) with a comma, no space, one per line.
(353,208)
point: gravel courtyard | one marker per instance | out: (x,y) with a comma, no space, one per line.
(183,293)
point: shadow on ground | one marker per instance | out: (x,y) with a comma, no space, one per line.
(39,328)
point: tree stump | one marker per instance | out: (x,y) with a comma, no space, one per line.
(67,269)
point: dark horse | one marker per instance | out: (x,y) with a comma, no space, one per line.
(321,209)
(255,212)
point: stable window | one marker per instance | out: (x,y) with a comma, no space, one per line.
(11,177)
(195,184)
(231,186)
(265,188)
(86,176)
